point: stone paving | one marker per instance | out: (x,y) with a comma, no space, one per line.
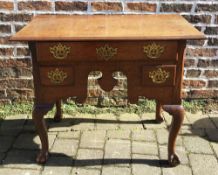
(106,144)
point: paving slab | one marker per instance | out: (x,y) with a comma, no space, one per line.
(24,159)
(6,142)
(83,171)
(58,165)
(197,145)
(199,120)
(69,135)
(178,170)
(32,141)
(83,122)
(119,134)
(12,125)
(130,121)
(193,132)
(144,135)
(203,164)
(93,139)
(10,171)
(144,148)
(112,170)
(145,163)
(90,158)
(64,125)
(29,126)
(106,121)
(214,118)
(17,117)
(117,152)
(215,148)
(212,134)
(2,155)
(66,147)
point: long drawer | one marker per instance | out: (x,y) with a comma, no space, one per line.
(106,51)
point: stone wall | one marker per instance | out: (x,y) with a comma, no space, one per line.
(201,64)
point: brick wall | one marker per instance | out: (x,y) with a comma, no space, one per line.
(201,64)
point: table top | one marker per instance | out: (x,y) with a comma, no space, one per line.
(107,27)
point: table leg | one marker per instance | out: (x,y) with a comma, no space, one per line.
(81,99)
(177,112)
(158,118)
(133,99)
(38,117)
(58,114)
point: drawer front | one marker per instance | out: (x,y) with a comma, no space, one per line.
(107,51)
(56,76)
(159,75)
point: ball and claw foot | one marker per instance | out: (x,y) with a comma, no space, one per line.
(42,157)
(58,114)
(173,160)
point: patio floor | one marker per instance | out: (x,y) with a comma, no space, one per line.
(106,144)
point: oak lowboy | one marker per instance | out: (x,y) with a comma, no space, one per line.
(148,49)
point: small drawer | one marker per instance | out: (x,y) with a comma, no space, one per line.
(159,50)
(54,51)
(107,51)
(56,75)
(159,75)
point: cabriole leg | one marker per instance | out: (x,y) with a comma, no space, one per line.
(158,116)
(177,112)
(38,117)
(58,113)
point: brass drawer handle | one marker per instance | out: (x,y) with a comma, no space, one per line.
(153,50)
(106,52)
(59,51)
(57,76)
(159,76)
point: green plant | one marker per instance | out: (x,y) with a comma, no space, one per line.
(71,108)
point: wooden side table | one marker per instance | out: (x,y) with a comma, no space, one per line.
(148,49)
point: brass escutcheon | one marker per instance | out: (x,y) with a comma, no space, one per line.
(106,52)
(57,76)
(159,76)
(59,51)
(153,50)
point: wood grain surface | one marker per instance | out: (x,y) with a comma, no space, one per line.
(126,50)
(107,27)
